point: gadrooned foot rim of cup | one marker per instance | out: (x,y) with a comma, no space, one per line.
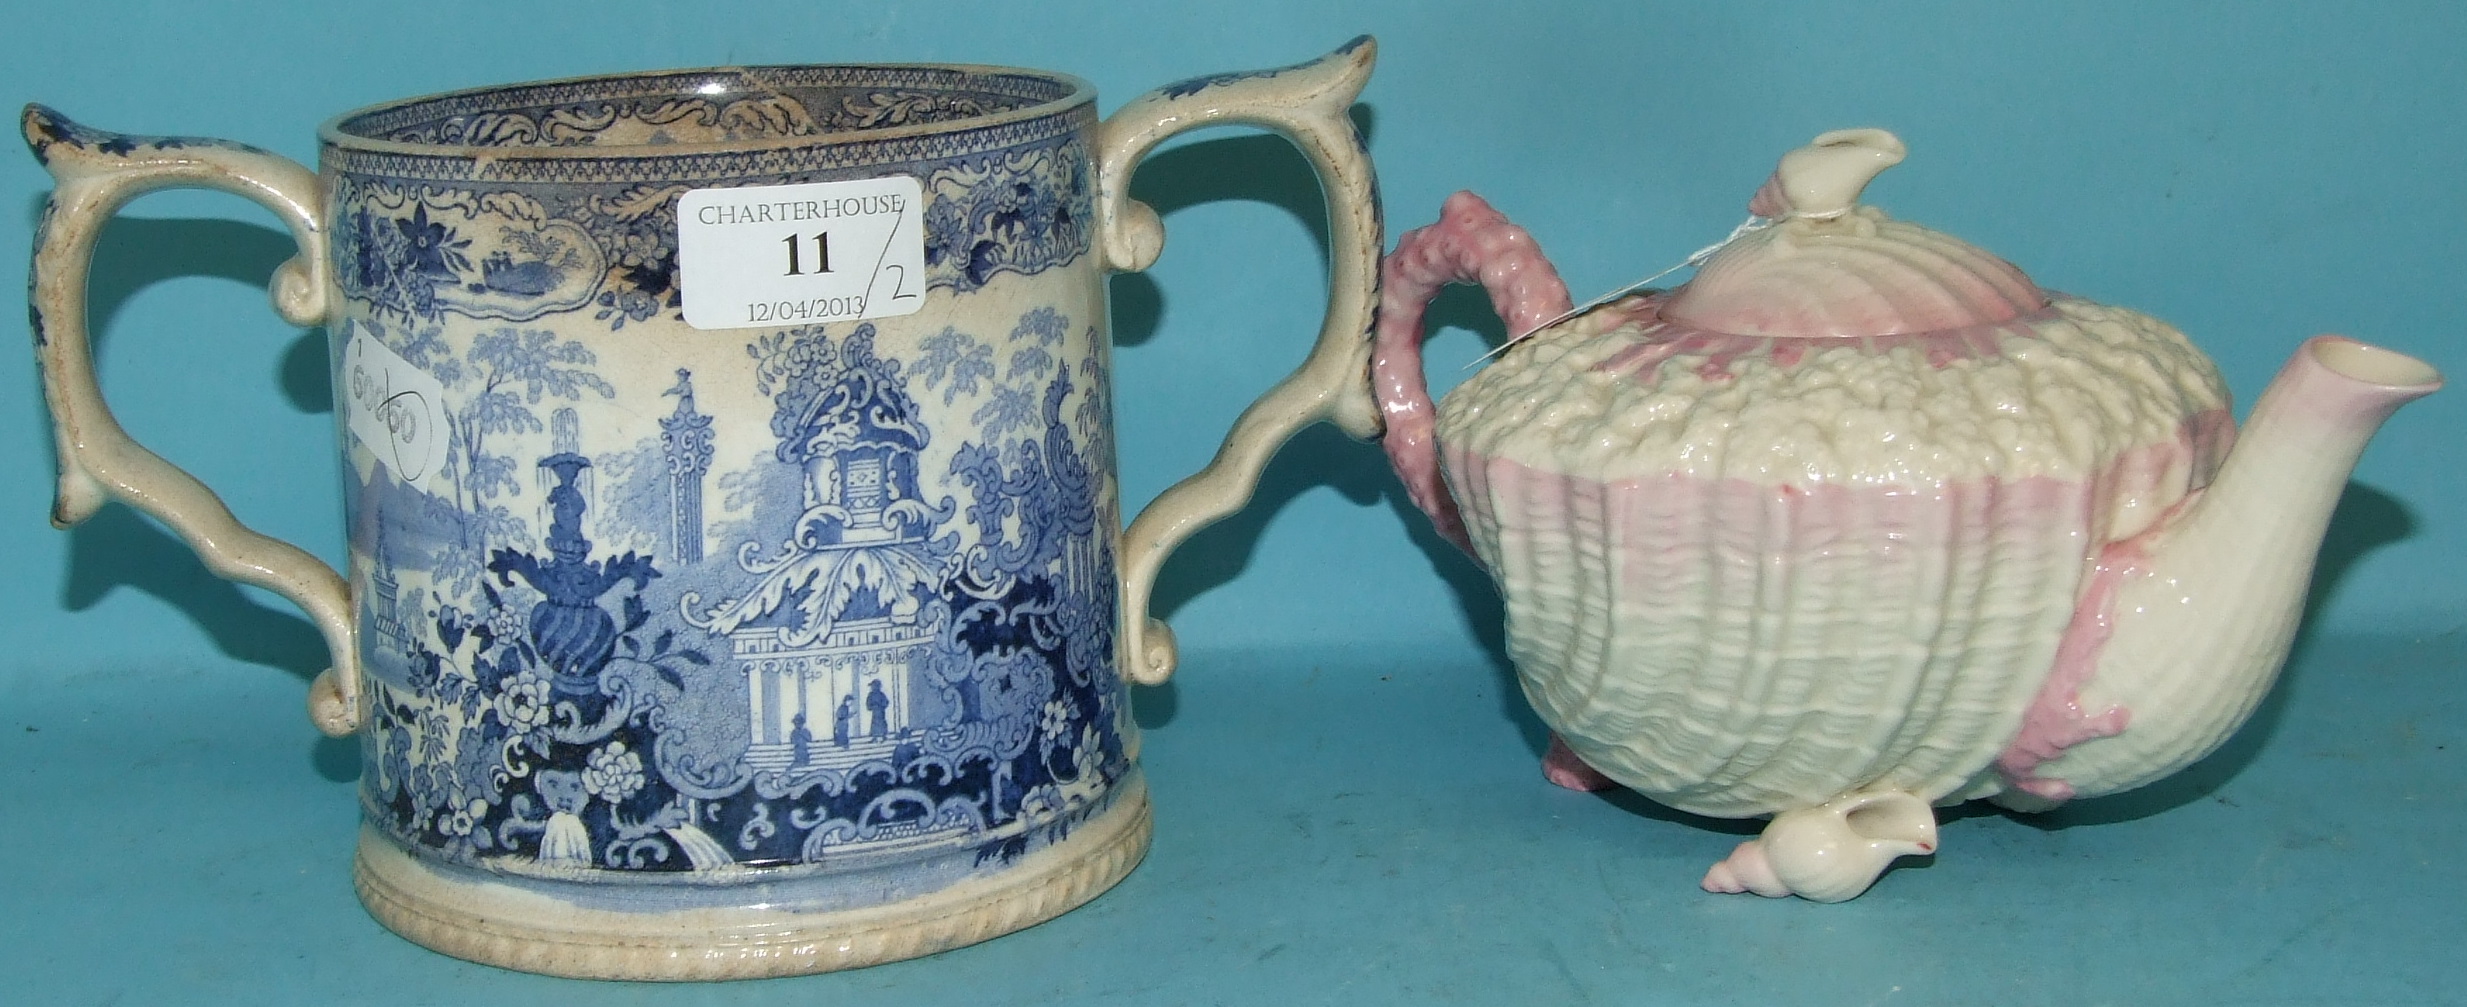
(521,930)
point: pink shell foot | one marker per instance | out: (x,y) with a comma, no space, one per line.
(1562,766)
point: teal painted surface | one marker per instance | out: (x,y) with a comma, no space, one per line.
(1349,829)
(2252,172)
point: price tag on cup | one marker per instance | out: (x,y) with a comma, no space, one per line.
(393,407)
(801,254)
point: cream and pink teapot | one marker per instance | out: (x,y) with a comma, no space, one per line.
(1860,521)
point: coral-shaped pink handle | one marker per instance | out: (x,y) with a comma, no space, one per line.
(1470,243)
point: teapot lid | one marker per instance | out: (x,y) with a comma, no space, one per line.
(1832,267)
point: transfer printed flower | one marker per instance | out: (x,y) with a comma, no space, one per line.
(524,704)
(463,818)
(430,247)
(612,773)
(505,624)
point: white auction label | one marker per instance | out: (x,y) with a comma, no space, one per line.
(801,254)
(396,409)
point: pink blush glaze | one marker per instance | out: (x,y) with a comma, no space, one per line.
(1690,549)
(1664,338)
(1562,766)
(1838,577)
(1470,243)
(1857,276)
(2056,721)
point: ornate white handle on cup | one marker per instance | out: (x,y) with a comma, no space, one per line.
(96,174)
(1308,104)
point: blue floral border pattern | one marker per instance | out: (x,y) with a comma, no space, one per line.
(424,120)
(408,247)
(669,119)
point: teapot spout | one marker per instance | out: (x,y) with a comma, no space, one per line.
(2183,629)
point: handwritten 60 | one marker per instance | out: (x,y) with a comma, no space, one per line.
(401,414)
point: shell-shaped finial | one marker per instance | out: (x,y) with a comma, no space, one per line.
(1823,179)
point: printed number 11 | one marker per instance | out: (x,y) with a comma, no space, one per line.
(822,253)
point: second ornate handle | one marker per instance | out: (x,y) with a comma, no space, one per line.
(96,174)
(1308,104)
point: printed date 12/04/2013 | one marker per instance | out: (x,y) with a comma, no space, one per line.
(812,309)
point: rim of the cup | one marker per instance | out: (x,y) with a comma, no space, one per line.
(331,133)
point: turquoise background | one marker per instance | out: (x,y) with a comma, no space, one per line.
(1348,810)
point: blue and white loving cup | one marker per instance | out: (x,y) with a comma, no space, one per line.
(737,585)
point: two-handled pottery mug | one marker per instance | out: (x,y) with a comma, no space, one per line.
(736,585)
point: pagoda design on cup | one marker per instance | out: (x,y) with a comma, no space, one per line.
(843,616)
(681,650)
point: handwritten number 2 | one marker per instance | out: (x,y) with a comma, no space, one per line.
(822,253)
